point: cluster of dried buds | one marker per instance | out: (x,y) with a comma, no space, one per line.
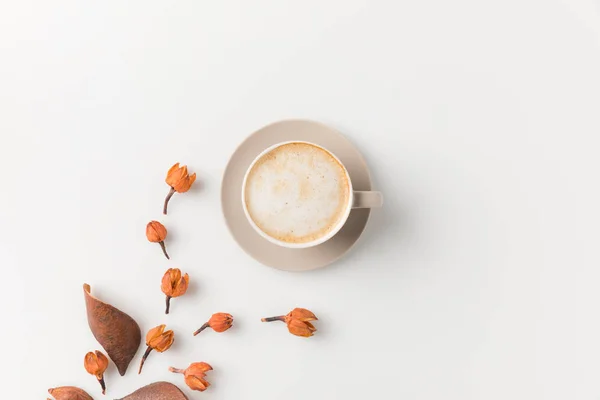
(298,322)
(180,181)
(120,334)
(194,375)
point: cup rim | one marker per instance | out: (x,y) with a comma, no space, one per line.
(312,243)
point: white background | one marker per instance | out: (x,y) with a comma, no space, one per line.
(480,122)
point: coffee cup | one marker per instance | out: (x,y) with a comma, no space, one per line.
(298,194)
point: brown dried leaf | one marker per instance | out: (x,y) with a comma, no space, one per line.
(157,391)
(69,393)
(116,331)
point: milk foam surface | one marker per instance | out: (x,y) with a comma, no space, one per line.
(297,193)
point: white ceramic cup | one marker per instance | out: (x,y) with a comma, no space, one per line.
(357,199)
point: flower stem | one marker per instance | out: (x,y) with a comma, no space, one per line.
(148,350)
(271,319)
(168,304)
(176,370)
(171,192)
(102,385)
(164,249)
(203,327)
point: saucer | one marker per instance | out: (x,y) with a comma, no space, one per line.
(256,246)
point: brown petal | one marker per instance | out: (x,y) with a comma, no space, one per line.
(116,331)
(157,391)
(69,393)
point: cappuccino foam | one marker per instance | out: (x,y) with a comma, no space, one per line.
(297,193)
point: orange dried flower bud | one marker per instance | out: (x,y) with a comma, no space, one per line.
(95,363)
(194,375)
(297,321)
(219,322)
(157,339)
(157,233)
(174,285)
(179,180)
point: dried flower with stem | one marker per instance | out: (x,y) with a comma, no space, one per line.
(95,363)
(157,339)
(297,321)
(179,180)
(194,375)
(219,322)
(157,233)
(174,285)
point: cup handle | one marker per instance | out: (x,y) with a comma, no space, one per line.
(367,199)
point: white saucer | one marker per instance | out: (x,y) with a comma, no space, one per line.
(264,251)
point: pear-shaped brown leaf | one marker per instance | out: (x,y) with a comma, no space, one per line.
(69,393)
(157,391)
(116,331)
